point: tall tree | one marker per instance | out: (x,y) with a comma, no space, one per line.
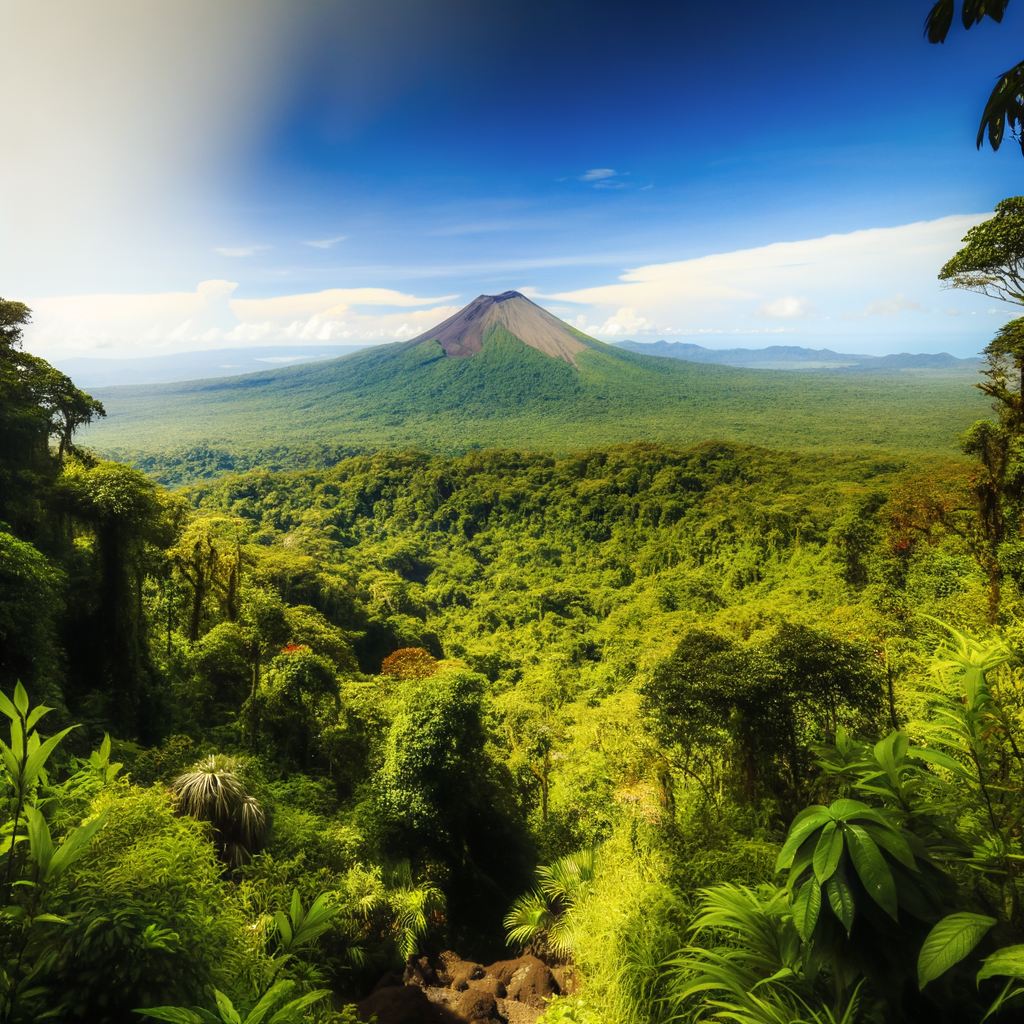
(37,403)
(991,263)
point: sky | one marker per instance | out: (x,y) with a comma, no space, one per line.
(193,174)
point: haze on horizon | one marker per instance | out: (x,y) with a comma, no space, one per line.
(207,175)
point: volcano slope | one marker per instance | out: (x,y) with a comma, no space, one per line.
(504,372)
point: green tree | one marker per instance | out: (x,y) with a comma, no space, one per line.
(991,261)
(753,709)
(441,797)
(37,403)
(30,606)
(119,509)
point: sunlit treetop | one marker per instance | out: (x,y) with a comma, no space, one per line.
(992,260)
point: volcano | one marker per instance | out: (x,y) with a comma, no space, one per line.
(463,335)
(505,373)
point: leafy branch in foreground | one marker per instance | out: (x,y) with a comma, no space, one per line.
(1005,107)
(29,941)
(270,1008)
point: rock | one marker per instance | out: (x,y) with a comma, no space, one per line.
(389,980)
(504,969)
(419,971)
(461,972)
(532,983)
(517,1013)
(490,984)
(404,1004)
(476,1006)
(565,975)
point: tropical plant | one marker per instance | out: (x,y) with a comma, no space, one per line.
(394,906)
(977,739)
(296,931)
(32,863)
(212,791)
(271,1008)
(1004,110)
(954,938)
(757,971)
(1008,963)
(549,910)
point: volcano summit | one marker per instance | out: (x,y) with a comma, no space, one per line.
(463,334)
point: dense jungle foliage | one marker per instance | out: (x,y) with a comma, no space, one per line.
(736,731)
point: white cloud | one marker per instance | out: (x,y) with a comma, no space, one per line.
(597,174)
(887,307)
(247,250)
(210,318)
(325,303)
(789,307)
(623,323)
(786,280)
(326,243)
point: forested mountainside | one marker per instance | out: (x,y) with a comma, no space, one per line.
(643,733)
(512,395)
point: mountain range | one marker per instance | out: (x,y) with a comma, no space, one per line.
(504,372)
(793,357)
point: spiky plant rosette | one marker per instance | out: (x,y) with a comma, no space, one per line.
(212,791)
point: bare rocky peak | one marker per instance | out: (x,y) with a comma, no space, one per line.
(462,335)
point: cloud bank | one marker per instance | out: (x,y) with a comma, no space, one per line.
(209,317)
(830,285)
(841,289)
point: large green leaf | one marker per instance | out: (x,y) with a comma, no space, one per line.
(37,714)
(874,873)
(847,808)
(40,840)
(806,822)
(7,707)
(270,999)
(840,899)
(827,852)
(292,1011)
(34,765)
(892,842)
(175,1014)
(942,760)
(1007,962)
(948,943)
(21,699)
(226,1008)
(806,907)
(74,846)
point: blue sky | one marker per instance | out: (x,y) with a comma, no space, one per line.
(178,159)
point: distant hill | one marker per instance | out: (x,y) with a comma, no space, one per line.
(221,362)
(504,372)
(792,357)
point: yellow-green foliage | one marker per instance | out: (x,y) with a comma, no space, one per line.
(153,919)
